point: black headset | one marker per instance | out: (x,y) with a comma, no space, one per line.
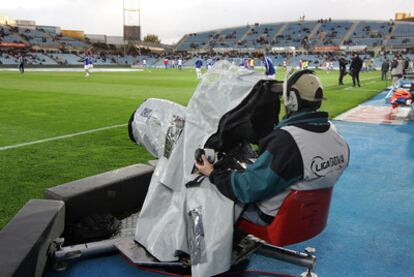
(293,101)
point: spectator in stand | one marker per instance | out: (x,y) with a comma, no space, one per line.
(384,69)
(342,69)
(355,68)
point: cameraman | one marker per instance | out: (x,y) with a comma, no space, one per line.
(303,152)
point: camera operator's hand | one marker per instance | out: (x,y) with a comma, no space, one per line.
(205,167)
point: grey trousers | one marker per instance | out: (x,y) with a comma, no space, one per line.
(251,213)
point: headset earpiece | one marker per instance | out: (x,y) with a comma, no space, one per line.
(293,102)
(293,99)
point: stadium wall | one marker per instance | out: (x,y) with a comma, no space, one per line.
(116,40)
(73,34)
(4,20)
(401,16)
(54,30)
(96,38)
(29,24)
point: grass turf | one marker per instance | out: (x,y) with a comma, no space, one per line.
(39,105)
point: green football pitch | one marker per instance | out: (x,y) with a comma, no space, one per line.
(43,106)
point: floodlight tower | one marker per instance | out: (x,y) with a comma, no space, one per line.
(131,21)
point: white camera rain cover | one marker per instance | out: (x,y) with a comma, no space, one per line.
(197,220)
(156,125)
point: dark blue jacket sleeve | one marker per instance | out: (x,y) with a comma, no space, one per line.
(278,167)
(259,181)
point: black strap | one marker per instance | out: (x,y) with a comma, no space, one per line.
(265,217)
(196,182)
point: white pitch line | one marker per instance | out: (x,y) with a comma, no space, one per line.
(60,137)
(74,69)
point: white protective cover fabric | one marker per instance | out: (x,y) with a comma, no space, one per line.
(197,220)
(151,122)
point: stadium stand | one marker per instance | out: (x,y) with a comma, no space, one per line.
(37,58)
(369,33)
(198,40)
(128,60)
(71,42)
(190,62)
(160,63)
(260,35)
(403,35)
(231,37)
(7,59)
(315,41)
(295,34)
(304,34)
(149,60)
(66,58)
(44,59)
(331,33)
(104,60)
(38,38)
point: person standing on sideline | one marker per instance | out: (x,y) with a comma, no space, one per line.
(198,65)
(406,66)
(209,63)
(246,63)
(180,63)
(166,63)
(270,70)
(355,68)
(384,70)
(342,70)
(21,64)
(252,63)
(397,68)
